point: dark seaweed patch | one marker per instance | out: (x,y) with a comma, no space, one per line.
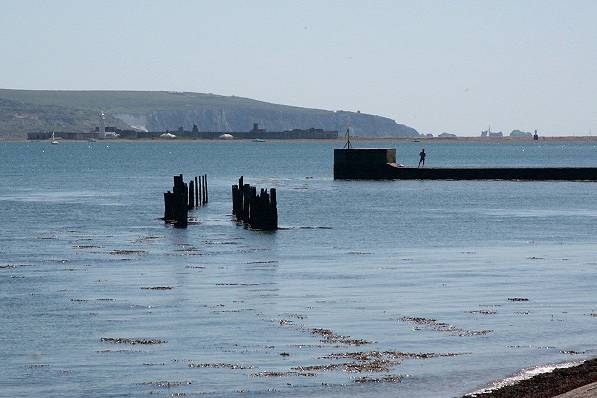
(383,379)
(133,341)
(241,284)
(443,327)
(127,252)
(330,337)
(283,374)
(166,384)
(482,312)
(219,366)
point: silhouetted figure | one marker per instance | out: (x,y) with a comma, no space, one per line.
(422,155)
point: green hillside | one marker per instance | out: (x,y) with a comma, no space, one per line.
(23,111)
(136,101)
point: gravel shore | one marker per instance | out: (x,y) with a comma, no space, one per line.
(575,382)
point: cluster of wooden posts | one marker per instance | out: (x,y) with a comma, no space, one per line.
(183,198)
(258,211)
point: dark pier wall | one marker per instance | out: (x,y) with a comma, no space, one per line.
(505,173)
(379,164)
(362,163)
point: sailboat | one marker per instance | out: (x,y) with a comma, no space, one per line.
(54,141)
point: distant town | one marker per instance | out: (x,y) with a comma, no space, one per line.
(256,133)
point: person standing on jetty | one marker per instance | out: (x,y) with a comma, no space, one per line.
(422,155)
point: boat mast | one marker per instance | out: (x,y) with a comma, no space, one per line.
(347,145)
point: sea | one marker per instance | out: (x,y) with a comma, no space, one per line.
(369,288)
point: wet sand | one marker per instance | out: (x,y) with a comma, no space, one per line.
(575,382)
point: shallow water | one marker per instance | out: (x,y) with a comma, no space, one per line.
(81,245)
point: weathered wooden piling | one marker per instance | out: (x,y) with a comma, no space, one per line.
(258,211)
(204,198)
(206,190)
(183,198)
(200,199)
(196,193)
(178,201)
(191,203)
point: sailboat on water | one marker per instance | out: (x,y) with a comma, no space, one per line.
(53,139)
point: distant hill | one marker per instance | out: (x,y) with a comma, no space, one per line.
(23,111)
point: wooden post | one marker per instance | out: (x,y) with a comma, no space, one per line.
(273,209)
(234,188)
(255,210)
(200,199)
(168,206)
(252,205)
(196,196)
(181,194)
(206,190)
(191,194)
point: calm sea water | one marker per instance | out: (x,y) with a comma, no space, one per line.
(81,238)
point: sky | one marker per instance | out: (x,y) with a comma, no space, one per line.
(438,66)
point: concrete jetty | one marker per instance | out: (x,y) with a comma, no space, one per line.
(378,164)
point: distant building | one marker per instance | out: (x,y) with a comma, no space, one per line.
(107,129)
(491,134)
(520,134)
(447,135)
(255,133)
(256,129)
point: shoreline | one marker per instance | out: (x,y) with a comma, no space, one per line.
(355,139)
(577,380)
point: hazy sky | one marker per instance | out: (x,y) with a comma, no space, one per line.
(437,66)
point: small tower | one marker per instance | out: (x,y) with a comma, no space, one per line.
(102,124)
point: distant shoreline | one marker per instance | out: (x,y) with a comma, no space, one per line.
(355,139)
